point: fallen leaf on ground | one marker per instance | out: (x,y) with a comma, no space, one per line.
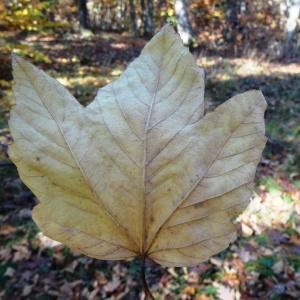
(7,229)
(190,290)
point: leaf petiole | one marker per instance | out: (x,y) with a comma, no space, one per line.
(144,281)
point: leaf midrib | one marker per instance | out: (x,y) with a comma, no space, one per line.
(146,130)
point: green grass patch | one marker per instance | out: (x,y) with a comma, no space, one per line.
(294,262)
(261,239)
(263,265)
(180,285)
(208,290)
(270,184)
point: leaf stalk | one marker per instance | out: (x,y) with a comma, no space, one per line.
(144,281)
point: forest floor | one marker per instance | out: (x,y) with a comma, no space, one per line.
(264,262)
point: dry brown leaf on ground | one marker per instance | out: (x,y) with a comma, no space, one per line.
(140,171)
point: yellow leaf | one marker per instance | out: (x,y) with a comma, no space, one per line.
(203,297)
(217,14)
(170,12)
(139,171)
(260,15)
(190,290)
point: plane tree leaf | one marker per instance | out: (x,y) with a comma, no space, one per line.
(140,171)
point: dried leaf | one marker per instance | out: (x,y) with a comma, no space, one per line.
(139,171)
(6,229)
(225,292)
(21,253)
(10,272)
(203,297)
(27,290)
(190,290)
(278,267)
(112,285)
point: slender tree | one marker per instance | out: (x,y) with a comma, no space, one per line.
(147,16)
(132,15)
(83,14)
(291,25)
(233,30)
(183,23)
(150,16)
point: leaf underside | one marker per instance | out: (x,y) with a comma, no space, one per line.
(140,170)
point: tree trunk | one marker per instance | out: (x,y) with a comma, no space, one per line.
(183,24)
(132,15)
(291,24)
(147,17)
(83,14)
(233,30)
(150,16)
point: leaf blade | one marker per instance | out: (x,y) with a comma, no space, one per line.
(60,169)
(139,171)
(209,186)
(137,123)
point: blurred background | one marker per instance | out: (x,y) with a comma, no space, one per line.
(242,45)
